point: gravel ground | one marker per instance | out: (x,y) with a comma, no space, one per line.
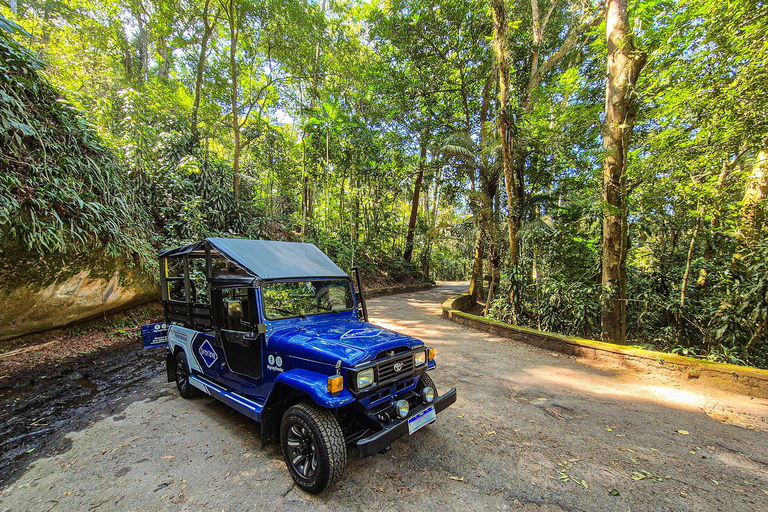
(531,430)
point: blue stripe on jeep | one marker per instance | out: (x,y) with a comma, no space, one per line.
(220,392)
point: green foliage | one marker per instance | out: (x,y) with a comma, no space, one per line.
(62,189)
(335,103)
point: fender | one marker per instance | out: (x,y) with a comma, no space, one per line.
(316,386)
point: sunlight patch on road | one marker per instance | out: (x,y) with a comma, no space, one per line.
(625,389)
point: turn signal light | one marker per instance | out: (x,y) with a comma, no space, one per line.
(335,384)
(431,354)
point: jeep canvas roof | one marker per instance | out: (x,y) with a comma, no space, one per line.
(267,259)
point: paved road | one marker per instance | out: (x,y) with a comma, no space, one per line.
(531,430)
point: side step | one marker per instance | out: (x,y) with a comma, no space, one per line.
(239,403)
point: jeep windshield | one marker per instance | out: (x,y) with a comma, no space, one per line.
(303,298)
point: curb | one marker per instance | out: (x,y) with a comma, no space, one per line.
(744,379)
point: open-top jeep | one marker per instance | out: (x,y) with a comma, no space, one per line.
(277,331)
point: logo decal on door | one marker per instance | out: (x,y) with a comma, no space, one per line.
(207,353)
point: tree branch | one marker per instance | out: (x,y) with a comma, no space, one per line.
(570,41)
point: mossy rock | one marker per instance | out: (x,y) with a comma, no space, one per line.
(38,294)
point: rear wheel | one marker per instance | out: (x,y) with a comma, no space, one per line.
(313,447)
(186,389)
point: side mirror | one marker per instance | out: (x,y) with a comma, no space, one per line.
(257,330)
(235,308)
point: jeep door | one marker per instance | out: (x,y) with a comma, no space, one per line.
(242,346)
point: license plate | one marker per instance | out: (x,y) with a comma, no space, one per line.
(425,417)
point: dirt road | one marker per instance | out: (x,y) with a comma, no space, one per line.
(531,430)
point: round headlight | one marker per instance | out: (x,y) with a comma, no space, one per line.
(428,395)
(365,378)
(402,408)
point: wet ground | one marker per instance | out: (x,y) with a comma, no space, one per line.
(531,430)
(39,404)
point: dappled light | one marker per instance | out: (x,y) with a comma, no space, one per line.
(591,170)
(613,386)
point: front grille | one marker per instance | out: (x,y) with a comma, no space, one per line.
(386,371)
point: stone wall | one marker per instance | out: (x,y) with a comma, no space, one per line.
(39,294)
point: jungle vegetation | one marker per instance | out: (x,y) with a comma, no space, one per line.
(594,168)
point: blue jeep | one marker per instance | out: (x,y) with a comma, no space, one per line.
(276,331)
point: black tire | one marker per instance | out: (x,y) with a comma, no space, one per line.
(426,381)
(313,447)
(186,390)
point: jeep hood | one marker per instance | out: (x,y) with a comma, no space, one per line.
(352,342)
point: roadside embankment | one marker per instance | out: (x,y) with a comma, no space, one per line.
(743,379)
(39,294)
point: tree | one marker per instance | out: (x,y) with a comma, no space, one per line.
(416,193)
(624,66)
(506,127)
(208,27)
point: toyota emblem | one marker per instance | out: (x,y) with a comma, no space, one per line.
(398,366)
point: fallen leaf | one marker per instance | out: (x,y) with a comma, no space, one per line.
(457,478)
(460,434)
(461,416)
(614,492)
(684,432)
(608,429)
(491,433)
(168,457)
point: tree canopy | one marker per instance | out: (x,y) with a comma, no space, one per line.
(450,139)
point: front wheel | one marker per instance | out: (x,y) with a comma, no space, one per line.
(426,381)
(313,447)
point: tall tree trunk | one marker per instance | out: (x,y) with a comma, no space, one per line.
(689,260)
(231,11)
(125,50)
(754,207)
(143,46)
(433,224)
(415,201)
(207,31)
(165,50)
(476,280)
(624,66)
(308,213)
(504,123)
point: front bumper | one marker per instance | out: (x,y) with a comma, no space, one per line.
(395,430)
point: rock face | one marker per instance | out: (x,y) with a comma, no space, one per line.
(37,294)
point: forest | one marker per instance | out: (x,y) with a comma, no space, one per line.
(592,168)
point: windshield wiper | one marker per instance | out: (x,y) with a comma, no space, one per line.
(288,312)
